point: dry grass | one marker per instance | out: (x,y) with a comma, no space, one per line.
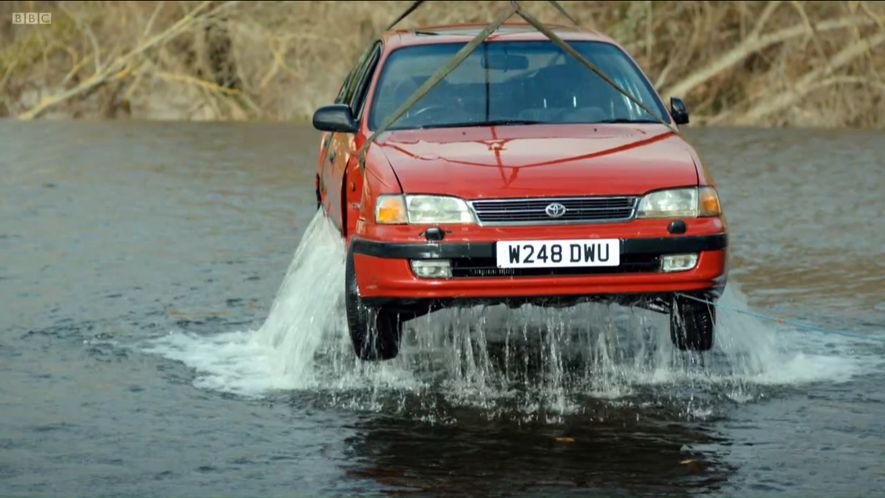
(747,63)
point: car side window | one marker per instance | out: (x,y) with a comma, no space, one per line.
(359,96)
(351,83)
(341,98)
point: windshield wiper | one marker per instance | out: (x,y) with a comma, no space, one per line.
(498,122)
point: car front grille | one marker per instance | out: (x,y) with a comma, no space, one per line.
(487,267)
(573,210)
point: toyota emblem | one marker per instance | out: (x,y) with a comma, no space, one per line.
(555,210)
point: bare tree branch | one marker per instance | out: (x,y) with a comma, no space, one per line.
(118,67)
(755,43)
(810,81)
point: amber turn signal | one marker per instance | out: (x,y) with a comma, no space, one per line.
(390,210)
(708,202)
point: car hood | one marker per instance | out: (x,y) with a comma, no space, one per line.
(539,160)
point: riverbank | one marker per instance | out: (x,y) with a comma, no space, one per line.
(737,63)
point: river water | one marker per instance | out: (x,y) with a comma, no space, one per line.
(160,336)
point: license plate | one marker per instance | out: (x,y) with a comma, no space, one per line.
(558,253)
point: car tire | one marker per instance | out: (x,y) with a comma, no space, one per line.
(374,331)
(691,324)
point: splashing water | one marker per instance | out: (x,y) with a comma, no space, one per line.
(308,304)
(545,360)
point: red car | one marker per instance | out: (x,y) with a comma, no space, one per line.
(522,177)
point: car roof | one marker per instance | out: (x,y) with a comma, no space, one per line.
(454,33)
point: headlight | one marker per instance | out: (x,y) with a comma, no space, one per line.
(435,209)
(421,210)
(679,203)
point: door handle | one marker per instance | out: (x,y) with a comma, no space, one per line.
(332,155)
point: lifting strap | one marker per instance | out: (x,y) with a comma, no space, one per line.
(592,67)
(434,79)
(564,12)
(465,51)
(405,14)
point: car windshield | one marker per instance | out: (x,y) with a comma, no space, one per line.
(513,83)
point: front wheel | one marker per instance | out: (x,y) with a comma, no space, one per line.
(691,324)
(374,331)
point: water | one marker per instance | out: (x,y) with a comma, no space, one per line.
(159,337)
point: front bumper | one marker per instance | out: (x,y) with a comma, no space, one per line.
(384,274)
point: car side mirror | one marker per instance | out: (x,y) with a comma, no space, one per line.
(335,117)
(678,111)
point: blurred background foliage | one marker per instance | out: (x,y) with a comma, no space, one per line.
(735,63)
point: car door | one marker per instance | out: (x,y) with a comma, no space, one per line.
(340,148)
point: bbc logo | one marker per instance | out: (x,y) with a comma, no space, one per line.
(31,18)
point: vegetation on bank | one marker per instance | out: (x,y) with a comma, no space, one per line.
(782,63)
